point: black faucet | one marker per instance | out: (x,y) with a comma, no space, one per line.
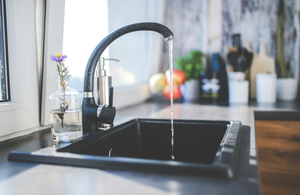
(92,113)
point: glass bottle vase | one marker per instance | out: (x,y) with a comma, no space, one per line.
(65,110)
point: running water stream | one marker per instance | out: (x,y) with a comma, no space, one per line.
(170,42)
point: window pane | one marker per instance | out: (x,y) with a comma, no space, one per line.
(132,49)
(3,62)
(84,27)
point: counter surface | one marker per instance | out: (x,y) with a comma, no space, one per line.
(29,178)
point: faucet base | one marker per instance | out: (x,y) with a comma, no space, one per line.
(91,118)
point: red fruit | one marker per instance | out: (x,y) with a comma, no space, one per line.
(176,92)
(179,76)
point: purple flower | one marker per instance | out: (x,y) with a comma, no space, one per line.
(58,57)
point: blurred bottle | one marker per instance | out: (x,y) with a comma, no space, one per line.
(214,83)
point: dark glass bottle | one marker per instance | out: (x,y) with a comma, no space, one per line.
(214,83)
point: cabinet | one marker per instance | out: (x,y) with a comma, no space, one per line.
(278,147)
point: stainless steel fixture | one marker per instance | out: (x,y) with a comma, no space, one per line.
(104,85)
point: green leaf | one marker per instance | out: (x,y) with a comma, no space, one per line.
(192,64)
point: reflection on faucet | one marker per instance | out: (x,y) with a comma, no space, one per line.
(91,112)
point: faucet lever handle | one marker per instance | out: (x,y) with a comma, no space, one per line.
(111,94)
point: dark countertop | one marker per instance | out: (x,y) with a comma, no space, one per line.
(245,182)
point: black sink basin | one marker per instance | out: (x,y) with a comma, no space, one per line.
(200,147)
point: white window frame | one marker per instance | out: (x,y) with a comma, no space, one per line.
(20,115)
(53,43)
(123,97)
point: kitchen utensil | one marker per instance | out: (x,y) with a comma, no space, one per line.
(248,58)
(239,58)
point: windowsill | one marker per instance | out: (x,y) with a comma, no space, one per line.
(130,96)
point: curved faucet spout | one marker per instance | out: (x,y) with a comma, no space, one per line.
(92,114)
(92,63)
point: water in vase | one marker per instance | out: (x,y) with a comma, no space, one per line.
(66,126)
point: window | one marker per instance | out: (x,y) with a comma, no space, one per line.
(138,52)
(25,50)
(85,29)
(20,115)
(3,61)
(82,32)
